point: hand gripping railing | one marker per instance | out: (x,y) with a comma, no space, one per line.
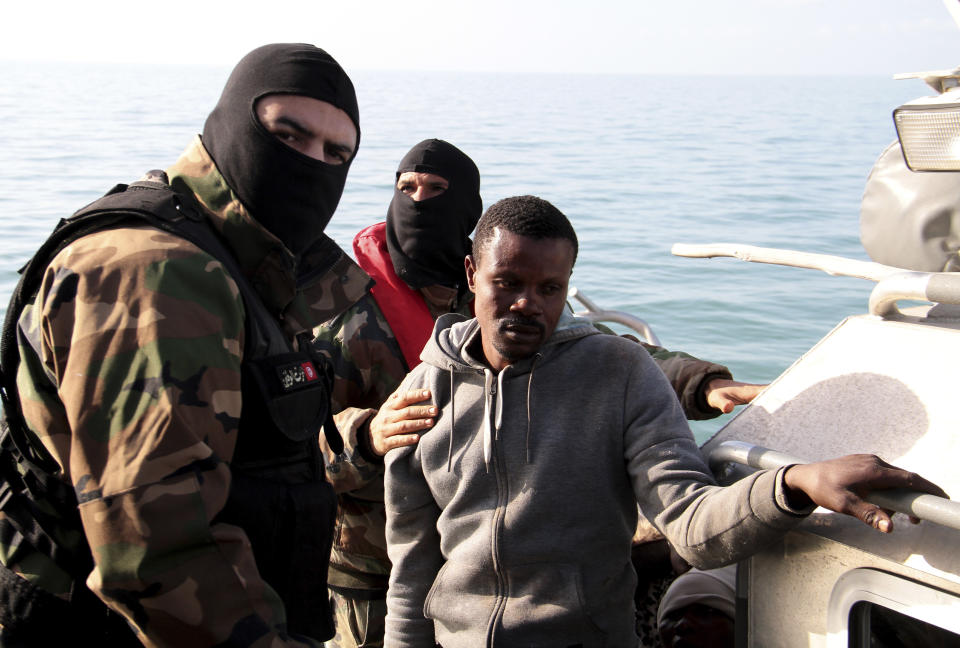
(892,283)
(921,505)
(596,314)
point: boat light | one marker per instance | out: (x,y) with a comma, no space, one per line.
(929,132)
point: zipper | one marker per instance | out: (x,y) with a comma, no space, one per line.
(500,473)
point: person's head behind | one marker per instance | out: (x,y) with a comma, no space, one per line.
(698,609)
(283,135)
(523,254)
(436,204)
(697,625)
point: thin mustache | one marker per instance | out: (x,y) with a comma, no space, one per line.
(521,321)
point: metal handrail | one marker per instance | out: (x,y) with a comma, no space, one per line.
(832,265)
(892,283)
(596,314)
(920,505)
(937,287)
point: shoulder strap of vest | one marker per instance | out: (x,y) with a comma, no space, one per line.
(26,469)
(112,209)
(155,203)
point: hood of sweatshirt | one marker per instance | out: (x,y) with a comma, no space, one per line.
(452,349)
(453,336)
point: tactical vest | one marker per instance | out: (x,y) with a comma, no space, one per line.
(279,495)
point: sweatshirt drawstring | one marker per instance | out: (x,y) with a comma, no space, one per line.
(453,419)
(493,414)
(498,419)
(529,392)
(488,392)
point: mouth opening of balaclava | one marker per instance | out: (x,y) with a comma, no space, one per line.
(429,239)
(291,194)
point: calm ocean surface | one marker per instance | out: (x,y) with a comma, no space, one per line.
(637,163)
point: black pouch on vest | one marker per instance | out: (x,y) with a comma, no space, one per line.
(295,393)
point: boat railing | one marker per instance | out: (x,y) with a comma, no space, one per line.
(596,314)
(938,287)
(935,509)
(893,284)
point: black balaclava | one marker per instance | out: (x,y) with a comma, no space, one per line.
(289,193)
(429,239)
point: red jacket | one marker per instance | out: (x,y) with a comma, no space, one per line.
(404,308)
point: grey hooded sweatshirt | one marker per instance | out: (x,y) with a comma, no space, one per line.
(509,523)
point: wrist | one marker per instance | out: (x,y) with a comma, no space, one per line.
(795,497)
(365,442)
(707,385)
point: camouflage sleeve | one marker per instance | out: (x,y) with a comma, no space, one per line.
(368,366)
(339,283)
(689,377)
(138,336)
(356,466)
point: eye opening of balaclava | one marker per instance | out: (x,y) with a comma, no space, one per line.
(291,194)
(429,239)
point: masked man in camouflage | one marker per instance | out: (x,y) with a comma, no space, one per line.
(417,259)
(166,385)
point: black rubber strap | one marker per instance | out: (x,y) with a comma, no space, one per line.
(356,594)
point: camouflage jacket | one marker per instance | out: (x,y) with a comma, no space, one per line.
(369,366)
(130,377)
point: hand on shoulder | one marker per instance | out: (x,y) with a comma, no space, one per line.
(400,419)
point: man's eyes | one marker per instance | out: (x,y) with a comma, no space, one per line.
(549,289)
(336,153)
(291,138)
(282,128)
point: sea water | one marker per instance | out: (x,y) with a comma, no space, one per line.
(636,162)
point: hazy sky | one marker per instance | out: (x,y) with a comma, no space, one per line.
(613,36)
